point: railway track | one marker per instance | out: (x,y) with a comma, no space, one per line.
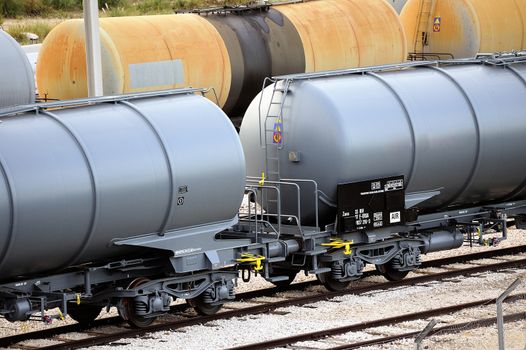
(454,328)
(359,327)
(100,338)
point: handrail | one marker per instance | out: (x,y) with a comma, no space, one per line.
(254,192)
(298,190)
(278,195)
(11,111)
(294,182)
(491,59)
(316,197)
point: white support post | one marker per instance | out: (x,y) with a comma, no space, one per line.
(93,51)
(500,316)
(420,337)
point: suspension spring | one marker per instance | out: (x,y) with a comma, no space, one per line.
(337,271)
(208,296)
(141,308)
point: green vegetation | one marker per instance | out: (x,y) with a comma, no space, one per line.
(149,7)
(39,28)
(17,8)
(64,8)
(40,16)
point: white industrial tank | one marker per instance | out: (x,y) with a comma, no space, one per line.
(17,81)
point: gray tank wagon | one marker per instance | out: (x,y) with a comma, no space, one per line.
(132,201)
(457,129)
(397,160)
(113,171)
(76,177)
(17,82)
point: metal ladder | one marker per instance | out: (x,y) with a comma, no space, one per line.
(424,23)
(274,141)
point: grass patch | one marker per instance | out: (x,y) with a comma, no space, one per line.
(40,16)
(39,28)
(17,8)
(61,8)
(155,7)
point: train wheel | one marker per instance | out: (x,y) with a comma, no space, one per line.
(291,274)
(128,311)
(330,283)
(202,308)
(84,313)
(390,273)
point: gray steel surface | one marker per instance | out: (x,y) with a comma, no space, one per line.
(457,128)
(17,81)
(500,315)
(73,180)
(397,4)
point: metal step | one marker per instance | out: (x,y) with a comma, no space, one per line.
(316,252)
(320,270)
(278,279)
(276,259)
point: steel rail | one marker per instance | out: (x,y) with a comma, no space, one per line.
(269,307)
(454,328)
(362,326)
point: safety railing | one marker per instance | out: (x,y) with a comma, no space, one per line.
(257,220)
(12,111)
(271,203)
(492,59)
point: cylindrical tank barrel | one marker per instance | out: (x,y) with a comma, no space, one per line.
(17,82)
(74,179)
(339,34)
(464,28)
(138,54)
(457,129)
(230,53)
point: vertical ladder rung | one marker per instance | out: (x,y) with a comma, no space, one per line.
(272,159)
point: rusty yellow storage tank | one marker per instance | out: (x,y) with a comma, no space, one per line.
(463,28)
(340,34)
(230,50)
(138,54)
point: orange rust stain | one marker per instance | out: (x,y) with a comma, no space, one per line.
(347,33)
(469,26)
(126,41)
(57,77)
(521,7)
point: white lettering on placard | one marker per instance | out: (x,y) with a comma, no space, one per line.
(394,217)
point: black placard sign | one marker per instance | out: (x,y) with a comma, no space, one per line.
(371,204)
